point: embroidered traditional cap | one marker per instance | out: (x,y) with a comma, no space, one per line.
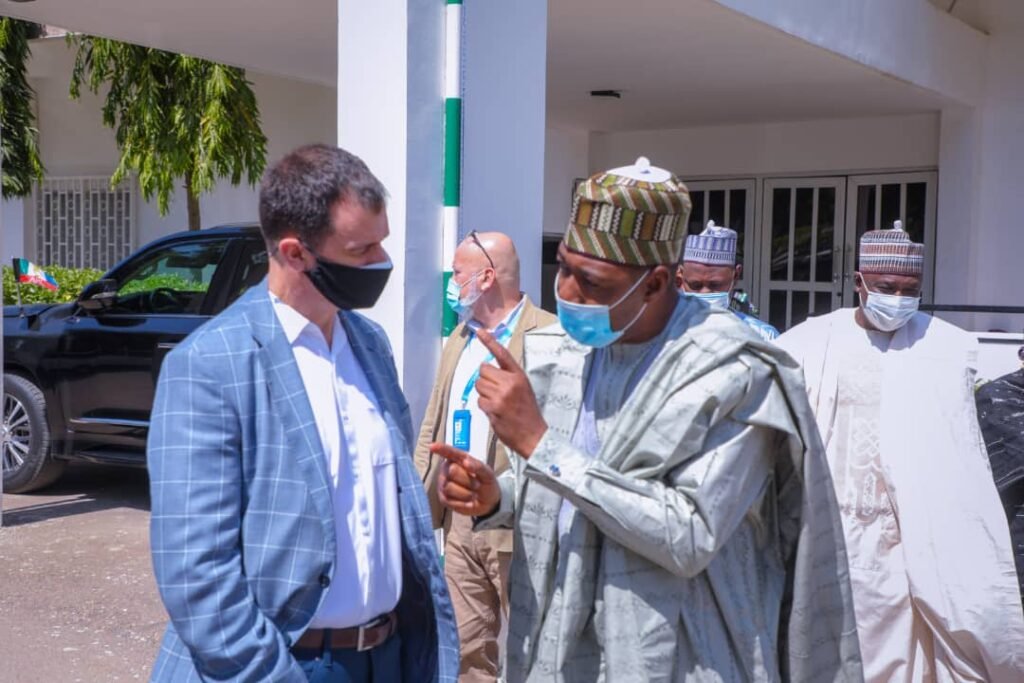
(716,246)
(634,215)
(891,252)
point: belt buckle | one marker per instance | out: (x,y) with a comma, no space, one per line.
(361,638)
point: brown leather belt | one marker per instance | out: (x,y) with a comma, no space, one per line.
(361,638)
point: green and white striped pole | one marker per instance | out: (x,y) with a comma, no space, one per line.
(452,170)
(452,150)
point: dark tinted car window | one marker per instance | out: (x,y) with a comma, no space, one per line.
(172,280)
(252,268)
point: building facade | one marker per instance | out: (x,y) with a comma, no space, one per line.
(799,123)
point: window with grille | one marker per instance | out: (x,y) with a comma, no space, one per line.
(83,223)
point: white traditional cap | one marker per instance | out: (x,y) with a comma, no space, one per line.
(891,252)
(716,246)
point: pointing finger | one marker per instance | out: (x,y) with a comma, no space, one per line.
(456,457)
(500,353)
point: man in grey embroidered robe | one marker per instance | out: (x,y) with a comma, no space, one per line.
(673,512)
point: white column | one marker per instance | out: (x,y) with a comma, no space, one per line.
(956,216)
(998,238)
(390,113)
(504,113)
(13,222)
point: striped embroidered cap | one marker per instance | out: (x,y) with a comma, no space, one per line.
(716,246)
(891,252)
(634,215)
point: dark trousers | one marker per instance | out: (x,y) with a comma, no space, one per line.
(382,664)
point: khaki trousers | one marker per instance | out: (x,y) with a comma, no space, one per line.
(478,582)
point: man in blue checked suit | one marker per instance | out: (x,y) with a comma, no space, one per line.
(291,537)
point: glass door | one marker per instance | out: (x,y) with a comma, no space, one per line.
(803,241)
(877,201)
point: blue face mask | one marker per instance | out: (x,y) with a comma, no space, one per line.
(713,299)
(453,296)
(591,324)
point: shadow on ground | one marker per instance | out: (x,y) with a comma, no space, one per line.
(82,489)
(79,599)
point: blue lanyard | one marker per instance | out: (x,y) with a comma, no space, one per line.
(502,339)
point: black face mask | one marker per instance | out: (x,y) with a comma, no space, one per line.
(349,287)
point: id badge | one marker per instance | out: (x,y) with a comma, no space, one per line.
(460,429)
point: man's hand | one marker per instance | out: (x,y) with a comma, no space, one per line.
(465,484)
(508,400)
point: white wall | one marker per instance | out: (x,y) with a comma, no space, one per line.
(13,225)
(390,114)
(980,235)
(798,148)
(566,158)
(72,138)
(795,148)
(957,211)
(504,120)
(293,114)
(74,141)
(998,234)
(912,40)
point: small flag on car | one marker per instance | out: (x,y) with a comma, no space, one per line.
(26,272)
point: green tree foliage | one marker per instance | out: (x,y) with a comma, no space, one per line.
(70,282)
(163,281)
(175,118)
(19,138)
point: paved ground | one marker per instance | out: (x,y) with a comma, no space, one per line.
(77,597)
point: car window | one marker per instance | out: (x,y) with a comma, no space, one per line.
(171,280)
(252,268)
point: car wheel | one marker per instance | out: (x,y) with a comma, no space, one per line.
(25,442)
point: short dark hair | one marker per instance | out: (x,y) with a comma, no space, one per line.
(297,193)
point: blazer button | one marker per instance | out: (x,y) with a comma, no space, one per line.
(325,581)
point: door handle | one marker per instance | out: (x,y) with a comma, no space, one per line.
(166,346)
(839,275)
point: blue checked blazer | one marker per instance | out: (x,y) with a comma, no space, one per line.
(242,527)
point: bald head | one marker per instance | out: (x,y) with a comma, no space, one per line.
(492,261)
(502,251)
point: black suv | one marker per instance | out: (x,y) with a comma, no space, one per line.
(79,378)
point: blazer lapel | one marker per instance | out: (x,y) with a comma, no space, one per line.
(290,401)
(527,323)
(373,360)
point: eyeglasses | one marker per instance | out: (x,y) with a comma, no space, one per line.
(476,241)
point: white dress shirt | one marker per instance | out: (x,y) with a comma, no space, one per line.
(472,357)
(367,578)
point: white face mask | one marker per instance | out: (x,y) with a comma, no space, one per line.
(889,312)
(713,299)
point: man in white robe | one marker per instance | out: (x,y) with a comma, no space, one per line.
(930,560)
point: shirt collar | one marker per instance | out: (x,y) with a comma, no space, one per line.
(295,324)
(499,329)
